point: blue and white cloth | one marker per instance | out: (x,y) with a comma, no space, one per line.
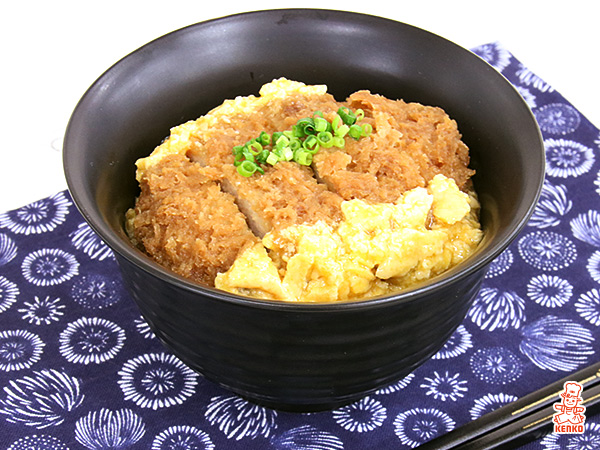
(81,370)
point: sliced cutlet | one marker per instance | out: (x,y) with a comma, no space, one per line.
(185,222)
(287,193)
(410,144)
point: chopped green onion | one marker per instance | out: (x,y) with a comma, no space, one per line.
(297,131)
(321,124)
(272,159)
(325,139)
(238,159)
(303,157)
(348,117)
(307,125)
(336,122)
(339,128)
(254,147)
(295,144)
(262,156)
(264,139)
(338,141)
(301,142)
(276,136)
(248,155)
(247,168)
(311,144)
(282,141)
(278,151)
(342,130)
(287,153)
(356,131)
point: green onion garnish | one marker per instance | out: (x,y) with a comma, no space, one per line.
(262,156)
(295,144)
(325,139)
(311,144)
(282,142)
(306,125)
(272,159)
(338,141)
(287,153)
(255,147)
(321,124)
(303,157)
(355,131)
(348,117)
(264,139)
(247,168)
(301,142)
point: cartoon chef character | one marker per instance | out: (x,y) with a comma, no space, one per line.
(568,409)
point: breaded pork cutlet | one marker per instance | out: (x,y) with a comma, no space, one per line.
(410,144)
(185,222)
(287,193)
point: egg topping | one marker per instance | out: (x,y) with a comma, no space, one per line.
(375,249)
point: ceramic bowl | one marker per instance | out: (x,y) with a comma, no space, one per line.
(304,357)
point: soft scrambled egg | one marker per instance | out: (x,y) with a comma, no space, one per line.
(375,249)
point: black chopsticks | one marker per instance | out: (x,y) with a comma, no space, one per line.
(521,421)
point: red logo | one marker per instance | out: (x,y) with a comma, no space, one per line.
(570,417)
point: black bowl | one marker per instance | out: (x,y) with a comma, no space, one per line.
(289,356)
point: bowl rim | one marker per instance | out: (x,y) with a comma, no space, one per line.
(117,244)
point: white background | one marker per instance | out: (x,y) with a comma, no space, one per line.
(52,51)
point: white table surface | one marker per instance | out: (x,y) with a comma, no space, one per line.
(52,51)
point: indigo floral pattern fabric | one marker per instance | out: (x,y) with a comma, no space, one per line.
(81,370)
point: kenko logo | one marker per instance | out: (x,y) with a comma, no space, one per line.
(569,417)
